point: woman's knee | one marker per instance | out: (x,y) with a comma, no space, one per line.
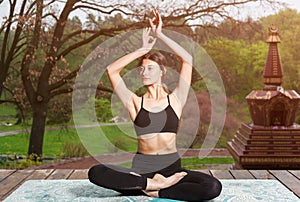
(216,188)
(95,172)
(213,190)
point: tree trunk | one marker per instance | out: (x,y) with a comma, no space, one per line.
(1,89)
(35,149)
(2,80)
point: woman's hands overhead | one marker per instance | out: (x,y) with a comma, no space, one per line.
(156,27)
(148,41)
(156,23)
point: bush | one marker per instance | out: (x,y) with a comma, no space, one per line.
(103,109)
(25,163)
(118,144)
(71,149)
(60,110)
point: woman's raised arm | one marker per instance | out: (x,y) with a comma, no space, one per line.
(116,67)
(182,89)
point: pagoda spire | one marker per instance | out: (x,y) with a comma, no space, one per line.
(273,75)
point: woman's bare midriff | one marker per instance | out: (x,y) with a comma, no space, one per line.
(157,143)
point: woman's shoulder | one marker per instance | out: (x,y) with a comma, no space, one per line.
(173,96)
(175,101)
(136,100)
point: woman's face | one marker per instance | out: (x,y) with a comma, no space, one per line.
(150,72)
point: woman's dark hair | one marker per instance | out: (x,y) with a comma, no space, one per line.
(154,56)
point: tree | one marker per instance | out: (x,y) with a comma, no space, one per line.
(12,34)
(240,64)
(47,38)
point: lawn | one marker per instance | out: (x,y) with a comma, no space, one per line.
(196,163)
(96,140)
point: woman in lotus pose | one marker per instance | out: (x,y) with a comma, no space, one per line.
(156,168)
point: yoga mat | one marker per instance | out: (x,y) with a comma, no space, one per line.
(84,191)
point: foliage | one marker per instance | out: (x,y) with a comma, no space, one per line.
(103,110)
(248,30)
(20,164)
(235,114)
(240,65)
(71,149)
(60,110)
(239,51)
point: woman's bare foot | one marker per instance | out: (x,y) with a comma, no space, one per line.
(151,193)
(160,182)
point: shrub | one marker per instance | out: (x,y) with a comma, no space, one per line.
(60,110)
(71,149)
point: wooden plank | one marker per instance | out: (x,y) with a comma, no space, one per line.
(204,171)
(296,173)
(5,173)
(60,174)
(12,181)
(241,174)
(289,180)
(221,174)
(261,174)
(40,174)
(79,174)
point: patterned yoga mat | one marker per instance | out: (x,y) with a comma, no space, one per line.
(84,191)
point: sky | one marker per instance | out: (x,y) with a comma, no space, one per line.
(293,4)
(253,10)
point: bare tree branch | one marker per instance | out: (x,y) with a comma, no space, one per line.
(8,101)
(103,11)
(51,15)
(69,90)
(6,35)
(76,33)
(33,45)
(64,80)
(107,32)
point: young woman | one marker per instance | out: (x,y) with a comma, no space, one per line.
(156,168)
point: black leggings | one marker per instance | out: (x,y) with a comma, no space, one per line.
(195,186)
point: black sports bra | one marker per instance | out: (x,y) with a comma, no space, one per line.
(147,122)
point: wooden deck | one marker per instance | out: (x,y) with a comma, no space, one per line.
(12,179)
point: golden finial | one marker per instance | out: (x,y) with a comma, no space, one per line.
(273,35)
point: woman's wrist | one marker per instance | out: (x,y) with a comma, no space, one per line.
(160,35)
(143,50)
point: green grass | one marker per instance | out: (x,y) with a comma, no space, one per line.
(4,128)
(209,160)
(7,110)
(14,144)
(196,163)
(53,141)
(94,139)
